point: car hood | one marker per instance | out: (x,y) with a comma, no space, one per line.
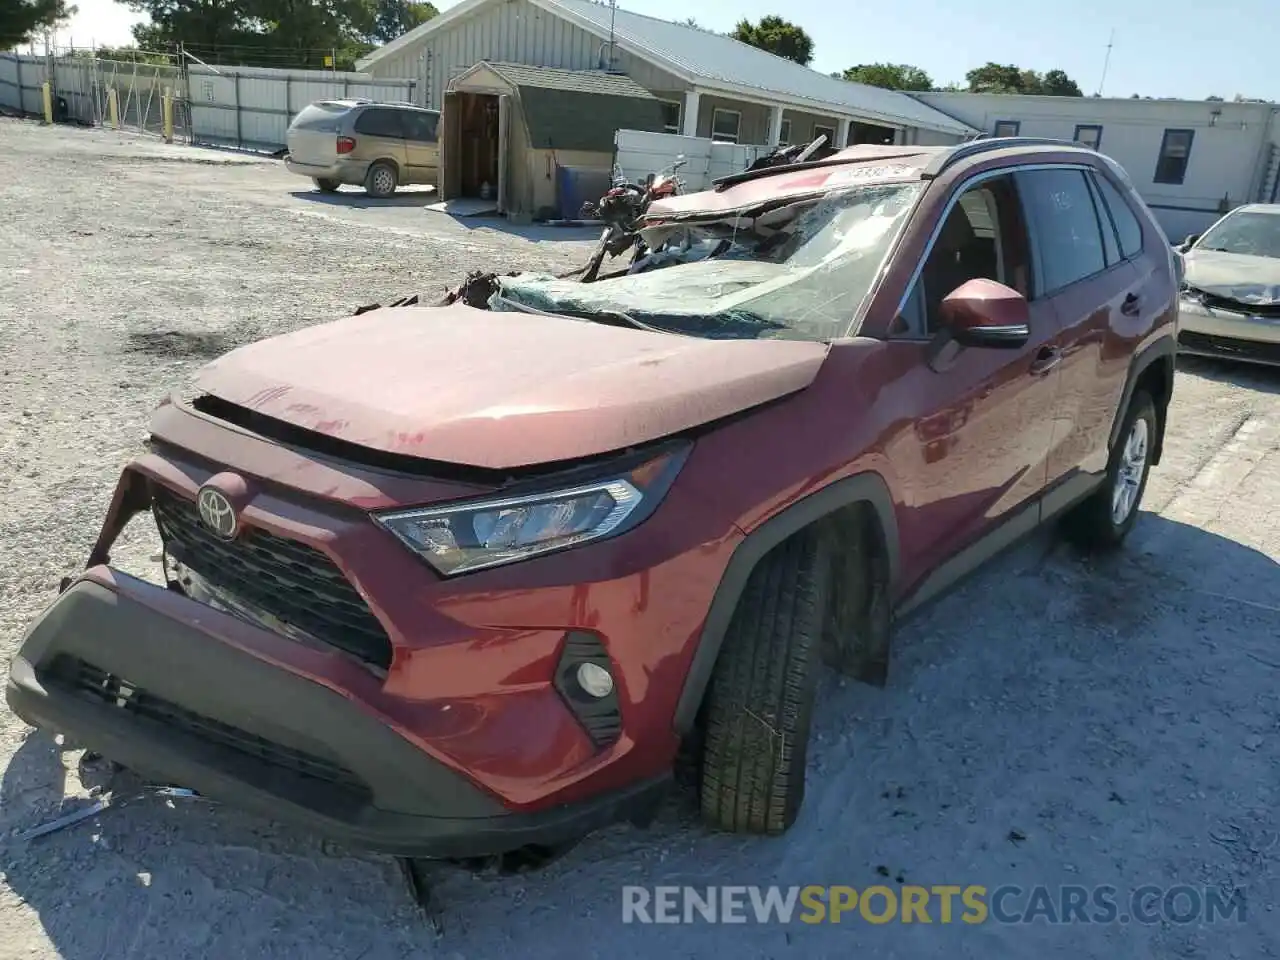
(1253,281)
(499,389)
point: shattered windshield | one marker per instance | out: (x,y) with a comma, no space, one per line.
(1253,234)
(799,269)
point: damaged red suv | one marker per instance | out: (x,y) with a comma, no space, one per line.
(446,581)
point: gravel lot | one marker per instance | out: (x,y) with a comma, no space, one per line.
(1057,721)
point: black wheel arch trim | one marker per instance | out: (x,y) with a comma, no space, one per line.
(869,488)
(1163,350)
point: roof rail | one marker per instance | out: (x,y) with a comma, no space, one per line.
(962,151)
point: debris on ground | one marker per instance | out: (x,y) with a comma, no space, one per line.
(105,802)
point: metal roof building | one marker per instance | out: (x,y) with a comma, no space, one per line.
(710,85)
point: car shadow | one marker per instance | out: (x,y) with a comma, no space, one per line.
(355,198)
(527,231)
(1026,718)
(1253,376)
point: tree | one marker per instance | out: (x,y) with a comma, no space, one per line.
(22,20)
(282,33)
(394,18)
(780,37)
(1056,83)
(1007,78)
(891,76)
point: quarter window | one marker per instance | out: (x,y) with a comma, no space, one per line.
(1175,154)
(725,125)
(380,123)
(1127,226)
(1065,225)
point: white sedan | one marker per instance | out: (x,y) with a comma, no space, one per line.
(1231,288)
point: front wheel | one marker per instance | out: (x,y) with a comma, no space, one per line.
(1107,516)
(755,734)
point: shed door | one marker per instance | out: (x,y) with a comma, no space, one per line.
(450,147)
(504,149)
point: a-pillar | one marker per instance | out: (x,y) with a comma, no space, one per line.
(691,103)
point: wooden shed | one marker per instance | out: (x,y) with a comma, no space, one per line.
(510,127)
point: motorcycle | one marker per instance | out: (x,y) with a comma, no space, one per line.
(621,209)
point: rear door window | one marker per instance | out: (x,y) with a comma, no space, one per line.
(1122,215)
(1064,222)
(380,122)
(420,126)
(322,117)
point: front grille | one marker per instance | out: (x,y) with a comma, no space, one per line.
(1230,348)
(1236,306)
(85,679)
(290,581)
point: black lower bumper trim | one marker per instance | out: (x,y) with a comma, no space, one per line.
(233,728)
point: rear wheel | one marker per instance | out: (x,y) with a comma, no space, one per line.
(381,180)
(325,185)
(1105,519)
(760,702)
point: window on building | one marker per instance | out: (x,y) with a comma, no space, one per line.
(1088,134)
(830,133)
(1064,220)
(1175,153)
(1127,227)
(1007,128)
(670,115)
(785,135)
(725,125)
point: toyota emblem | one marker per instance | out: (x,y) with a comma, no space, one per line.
(217,513)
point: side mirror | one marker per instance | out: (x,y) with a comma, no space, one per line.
(984,313)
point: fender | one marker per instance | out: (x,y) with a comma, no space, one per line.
(1163,350)
(868,488)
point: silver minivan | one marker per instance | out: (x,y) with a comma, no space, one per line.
(378,146)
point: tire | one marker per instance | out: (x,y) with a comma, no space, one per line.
(756,718)
(1106,517)
(324,185)
(381,180)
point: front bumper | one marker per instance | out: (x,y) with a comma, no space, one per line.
(1215,332)
(124,668)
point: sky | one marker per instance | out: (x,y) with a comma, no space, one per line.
(1153,53)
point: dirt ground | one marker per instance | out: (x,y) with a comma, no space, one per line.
(1057,721)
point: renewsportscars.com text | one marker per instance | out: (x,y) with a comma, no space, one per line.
(944,903)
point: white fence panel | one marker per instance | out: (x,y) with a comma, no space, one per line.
(20,80)
(253,106)
(639,152)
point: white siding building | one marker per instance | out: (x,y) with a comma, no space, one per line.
(711,85)
(1191,160)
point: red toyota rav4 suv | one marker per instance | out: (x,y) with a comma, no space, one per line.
(450,582)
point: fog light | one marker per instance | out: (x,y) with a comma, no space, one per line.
(595,680)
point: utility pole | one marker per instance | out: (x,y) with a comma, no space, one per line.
(1106,62)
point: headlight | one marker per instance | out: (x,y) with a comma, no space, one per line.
(486,533)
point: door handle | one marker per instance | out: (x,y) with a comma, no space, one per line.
(1130,305)
(1046,359)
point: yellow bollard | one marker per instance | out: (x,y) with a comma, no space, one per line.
(166,107)
(113,109)
(46,90)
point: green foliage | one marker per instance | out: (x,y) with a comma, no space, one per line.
(22,21)
(778,36)
(1007,78)
(891,76)
(276,33)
